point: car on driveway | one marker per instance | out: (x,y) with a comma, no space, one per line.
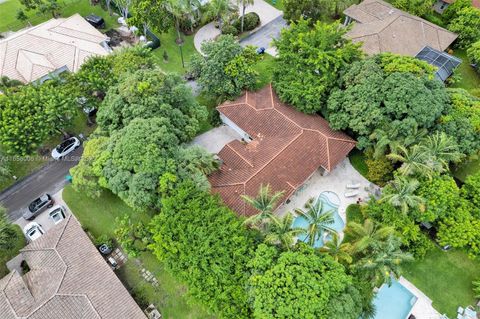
(57,214)
(38,206)
(33,231)
(65,148)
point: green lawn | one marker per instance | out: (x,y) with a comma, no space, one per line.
(446,278)
(168,44)
(97,216)
(8,9)
(470,78)
(357,159)
(6,255)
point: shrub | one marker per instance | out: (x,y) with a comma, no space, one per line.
(379,169)
(474,54)
(229,29)
(354,214)
(250,22)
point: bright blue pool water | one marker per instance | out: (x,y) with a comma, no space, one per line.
(330,202)
(394,302)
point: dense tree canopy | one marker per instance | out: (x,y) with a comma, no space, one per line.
(150,93)
(467,25)
(310,61)
(378,94)
(314,10)
(451,12)
(205,245)
(226,67)
(463,121)
(299,284)
(415,7)
(474,54)
(31,114)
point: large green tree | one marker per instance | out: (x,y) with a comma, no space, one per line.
(226,67)
(150,93)
(204,245)
(298,284)
(31,114)
(310,61)
(382,92)
(467,25)
(415,7)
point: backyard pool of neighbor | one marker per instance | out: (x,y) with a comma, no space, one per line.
(393,302)
(330,201)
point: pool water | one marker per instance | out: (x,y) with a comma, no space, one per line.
(394,302)
(330,202)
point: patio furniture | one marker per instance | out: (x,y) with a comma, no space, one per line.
(470,313)
(351,194)
(460,309)
(353,186)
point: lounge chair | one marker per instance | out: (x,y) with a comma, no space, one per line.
(353,186)
(351,194)
(460,310)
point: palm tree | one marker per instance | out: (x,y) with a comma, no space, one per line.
(389,139)
(244,4)
(383,262)
(219,9)
(318,221)
(415,161)
(400,193)
(264,203)
(281,231)
(338,250)
(363,237)
(443,149)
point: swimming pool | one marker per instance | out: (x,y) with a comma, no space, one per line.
(330,201)
(394,302)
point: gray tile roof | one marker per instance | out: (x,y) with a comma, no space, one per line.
(68,279)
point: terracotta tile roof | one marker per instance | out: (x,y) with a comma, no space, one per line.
(287,147)
(384,28)
(68,279)
(34,52)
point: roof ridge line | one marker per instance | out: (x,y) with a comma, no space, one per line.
(239,154)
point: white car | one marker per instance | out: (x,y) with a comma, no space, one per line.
(33,231)
(57,214)
(65,148)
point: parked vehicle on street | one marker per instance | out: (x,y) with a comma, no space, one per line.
(33,231)
(37,206)
(65,148)
(57,214)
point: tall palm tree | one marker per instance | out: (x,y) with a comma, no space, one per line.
(400,193)
(338,250)
(244,4)
(363,237)
(383,262)
(265,202)
(415,161)
(390,139)
(281,231)
(443,149)
(219,9)
(318,220)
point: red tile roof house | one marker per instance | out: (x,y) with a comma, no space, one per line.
(281,147)
(68,279)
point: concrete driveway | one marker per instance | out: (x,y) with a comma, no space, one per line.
(215,139)
(264,36)
(266,12)
(335,181)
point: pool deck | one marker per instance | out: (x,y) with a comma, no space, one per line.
(336,182)
(422,309)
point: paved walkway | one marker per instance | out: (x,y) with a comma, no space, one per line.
(266,12)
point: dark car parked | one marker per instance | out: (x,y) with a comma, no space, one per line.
(38,206)
(96,21)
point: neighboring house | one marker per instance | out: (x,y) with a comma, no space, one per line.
(281,147)
(441,5)
(380,27)
(67,279)
(54,46)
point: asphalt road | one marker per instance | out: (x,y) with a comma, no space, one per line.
(49,179)
(264,36)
